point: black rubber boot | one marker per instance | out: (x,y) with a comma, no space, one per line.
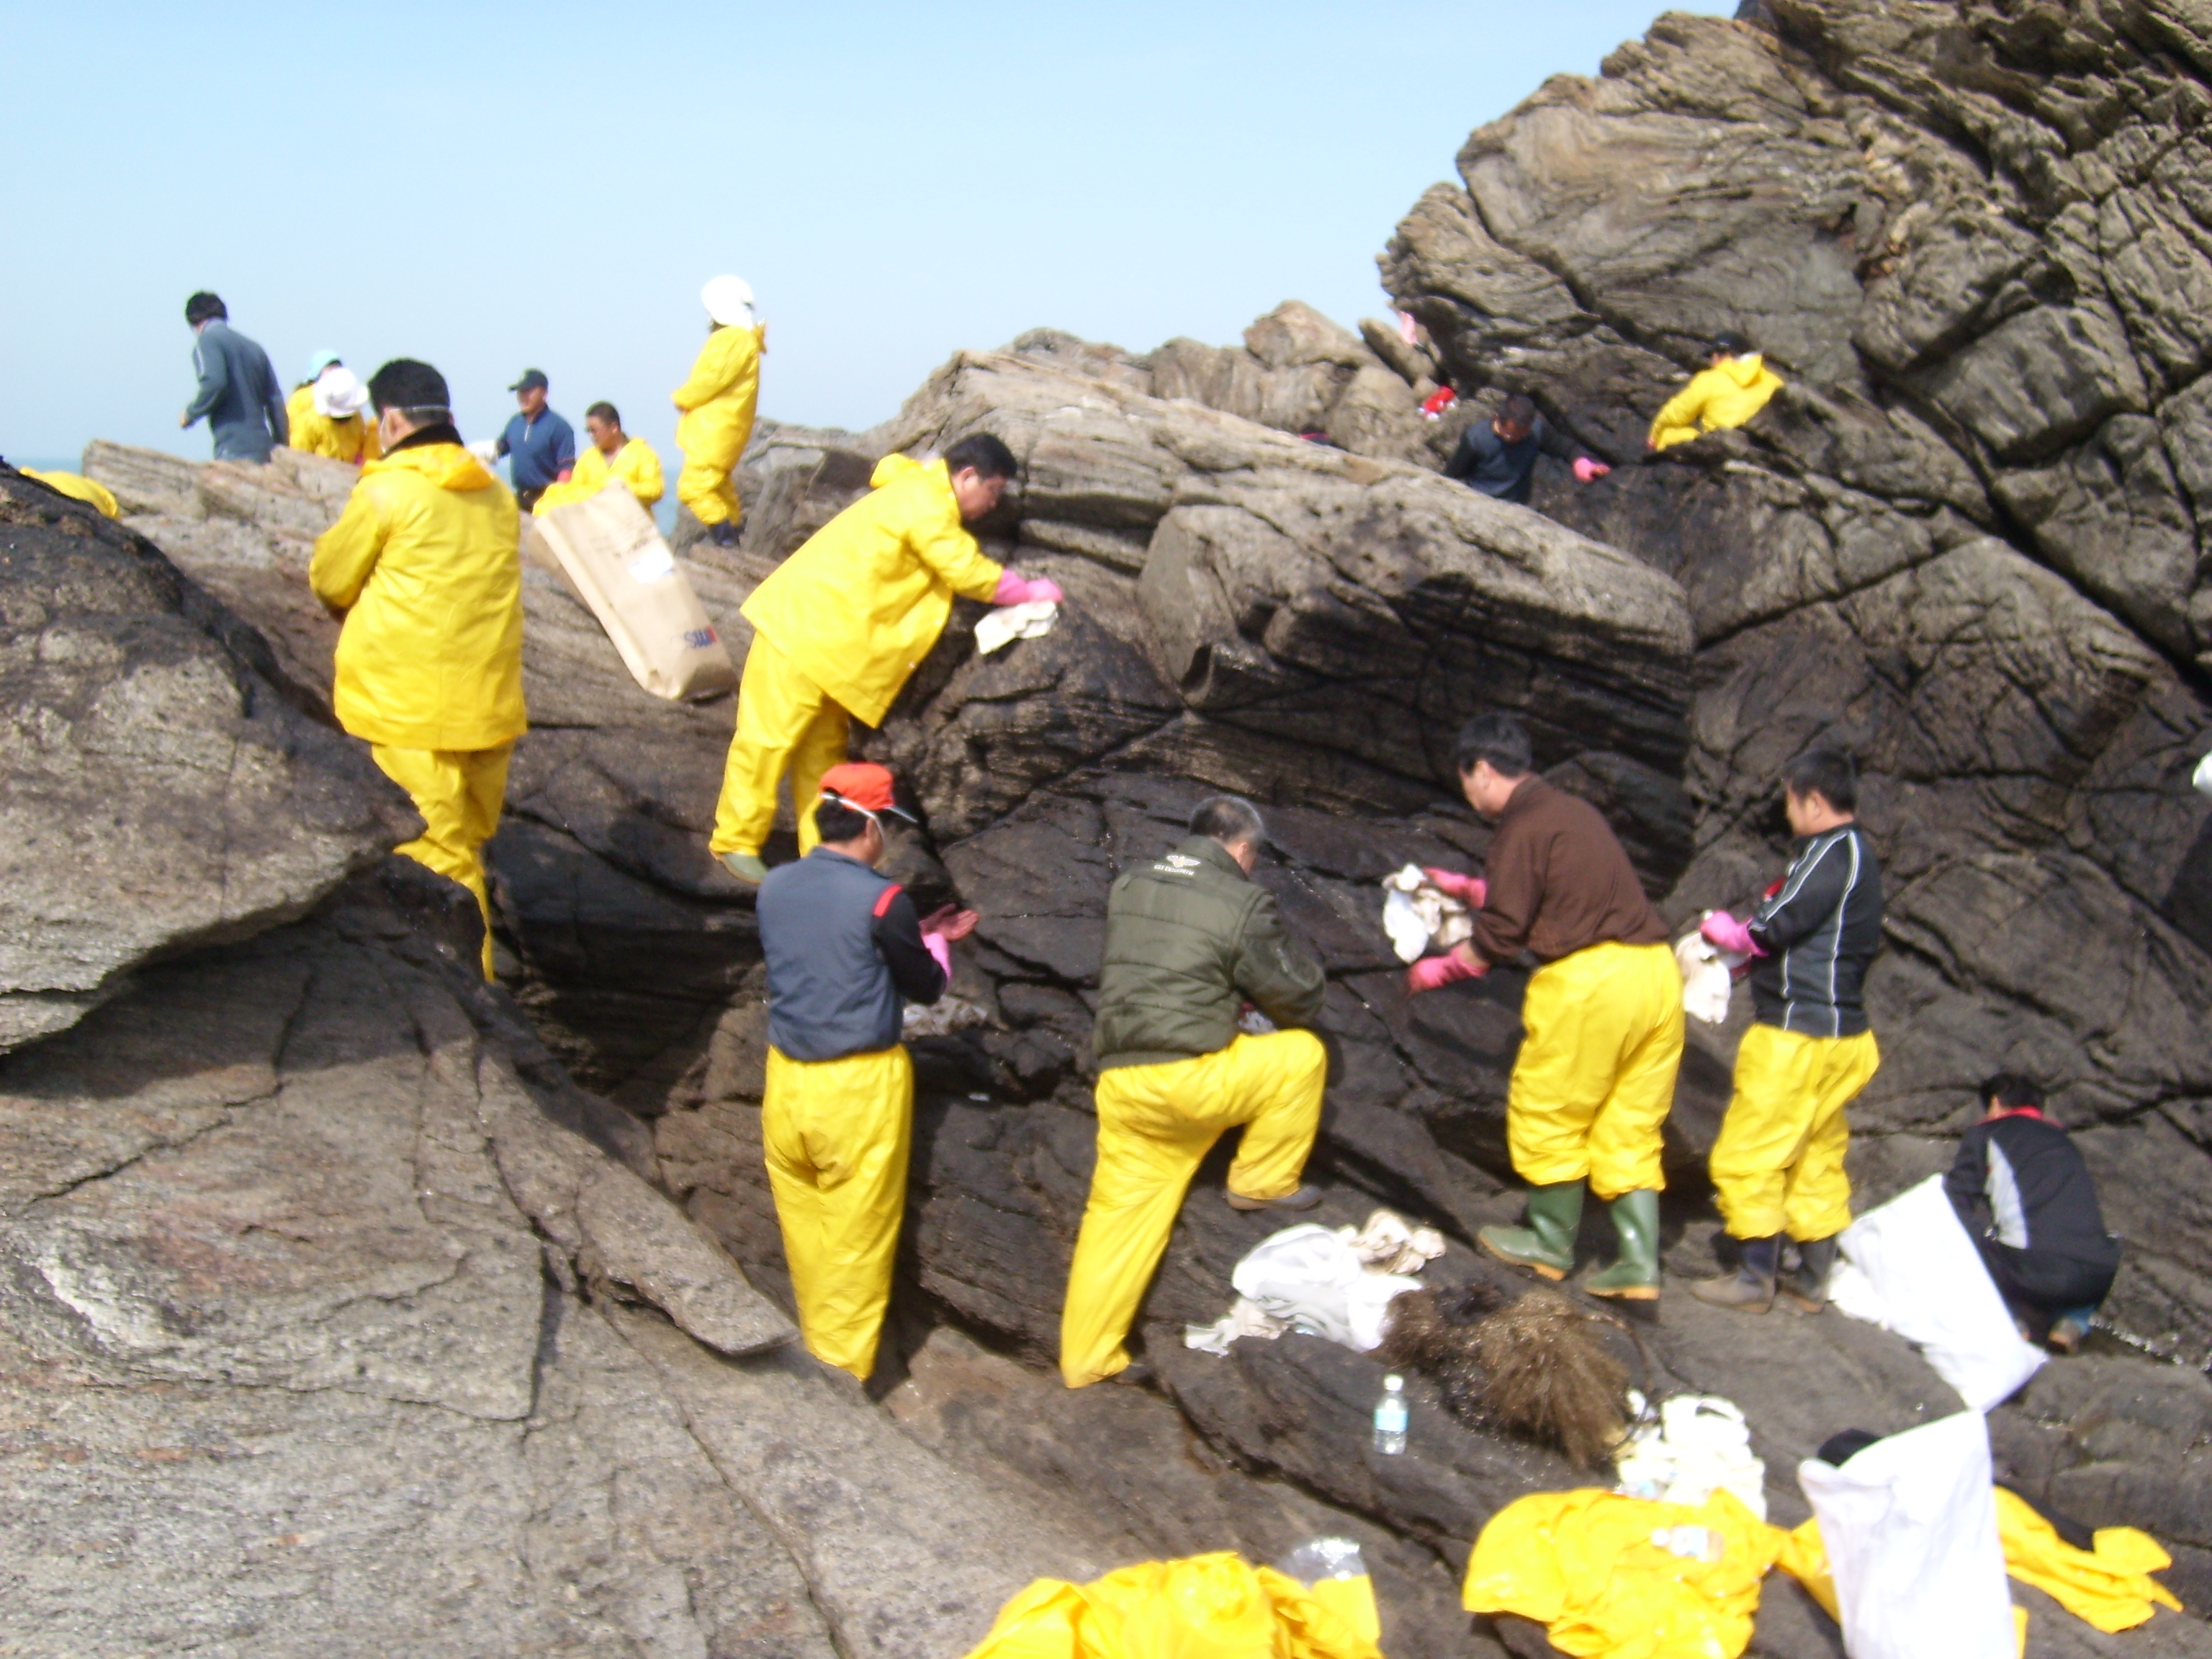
(1750,1288)
(1808,1288)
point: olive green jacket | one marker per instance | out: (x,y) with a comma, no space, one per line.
(1189,940)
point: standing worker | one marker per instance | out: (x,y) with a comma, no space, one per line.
(839,625)
(1190,938)
(718,403)
(540,445)
(1733,385)
(422,569)
(845,953)
(614,457)
(1595,1079)
(237,393)
(330,422)
(1777,1166)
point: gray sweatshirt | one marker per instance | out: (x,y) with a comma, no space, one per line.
(239,395)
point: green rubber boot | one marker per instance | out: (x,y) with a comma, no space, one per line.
(1547,1243)
(1634,1275)
(746,867)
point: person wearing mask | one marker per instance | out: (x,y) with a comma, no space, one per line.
(540,446)
(717,403)
(2027,1197)
(1595,1079)
(1498,457)
(839,625)
(332,422)
(1190,939)
(238,395)
(613,457)
(846,952)
(1777,1166)
(1733,385)
(423,572)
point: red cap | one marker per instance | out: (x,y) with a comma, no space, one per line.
(865,785)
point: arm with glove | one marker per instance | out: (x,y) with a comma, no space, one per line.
(919,953)
(1273,973)
(1555,443)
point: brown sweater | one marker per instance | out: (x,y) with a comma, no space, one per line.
(1559,882)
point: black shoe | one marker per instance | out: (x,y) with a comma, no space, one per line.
(1807,1290)
(723,535)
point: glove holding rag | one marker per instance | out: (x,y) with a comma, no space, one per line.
(1472,891)
(1724,932)
(1015,588)
(940,927)
(1432,973)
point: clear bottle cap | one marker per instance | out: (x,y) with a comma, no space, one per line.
(1394,1383)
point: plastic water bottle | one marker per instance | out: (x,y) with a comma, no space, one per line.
(1391,1418)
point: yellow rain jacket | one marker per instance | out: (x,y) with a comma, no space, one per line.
(1203,1607)
(718,403)
(77,488)
(859,606)
(637,466)
(1727,394)
(1625,1577)
(354,439)
(423,564)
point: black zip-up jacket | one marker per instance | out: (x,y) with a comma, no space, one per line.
(1486,462)
(1820,931)
(844,955)
(2021,1181)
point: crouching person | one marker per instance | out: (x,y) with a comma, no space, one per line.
(846,953)
(1190,938)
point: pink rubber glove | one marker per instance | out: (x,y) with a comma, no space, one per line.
(1015,588)
(939,948)
(1432,972)
(1724,932)
(1587,470)
(1472,891)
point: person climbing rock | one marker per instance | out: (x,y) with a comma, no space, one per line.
(1595,1079)
(1733,385)
(423,572)
(613,457)
(1498,457)
(2026,1196)
(329,421)
(540,445)
(717,404)
(1777,1166)
(1190,937)
(839,625)
(238,395)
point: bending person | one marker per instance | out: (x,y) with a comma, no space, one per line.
(1498,457)
(1735,384)
(845,954)
(839,625)
(1595,1079)
(422,570)
(613,457)
(718,403)
(1189,940)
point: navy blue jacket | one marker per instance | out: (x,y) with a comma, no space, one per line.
(1486,462)
(1819,930)
(542,449)
(844,955)
(239,395)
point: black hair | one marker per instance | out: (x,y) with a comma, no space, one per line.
(840,823)
(203,305)
(1519,410)
(1730,343)
(605,411)
(1498,738)
(415,387)
(1829,772)
(989,457)
(1229,819)
(2010,1089)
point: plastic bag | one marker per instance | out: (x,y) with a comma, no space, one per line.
(1695,1445)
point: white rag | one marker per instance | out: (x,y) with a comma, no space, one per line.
(1708,976)
(1030,619)
(1697,1444)
(2201,781)
(1910,1268)
(1389,1243)
(1309,1277)
(1420,916)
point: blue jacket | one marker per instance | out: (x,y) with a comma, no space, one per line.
(542,449)
(239,395)
(844,955)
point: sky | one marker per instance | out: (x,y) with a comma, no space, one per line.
(548,184)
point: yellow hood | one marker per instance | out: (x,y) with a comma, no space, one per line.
(901,466)
(1745,370)
(449,466)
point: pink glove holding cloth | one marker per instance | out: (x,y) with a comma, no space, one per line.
(1472,891)
(1432,973)
(1587,471)
(1724,932)
(1015,588)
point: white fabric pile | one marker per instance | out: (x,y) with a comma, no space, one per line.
(1697,1444)
(1708,976)
(1322,1281)
(1030,619)
(1420,916)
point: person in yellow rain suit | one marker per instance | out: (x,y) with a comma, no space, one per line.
(1202,1606)
(1190,937)
(613,457)
(302,395)
(1733,385)
(1595,1079)
(840,625)
(718,403)
(328,420)
(77,487)
(845,953)
(422,568)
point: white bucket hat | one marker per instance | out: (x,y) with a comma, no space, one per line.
(729,300)
(339,394)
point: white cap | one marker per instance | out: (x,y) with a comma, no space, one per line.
(729,300)
(339,393)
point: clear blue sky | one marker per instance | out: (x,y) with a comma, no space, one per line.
(548,184)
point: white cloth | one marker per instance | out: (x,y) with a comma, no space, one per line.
(1910,1528)
(1910,1268)
(1307,1278)
(1708,976)
(1031,619)
(1419,916)
(1389,1243)
(338,393)
(1244,1318)
(1697,1444)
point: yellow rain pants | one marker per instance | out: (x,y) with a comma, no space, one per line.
(1586,1565)
(1595,1079)
(636,467)
(718,403)
(786,723)
(1726,395)
(1156,1124)
(77,487)
(1777,1166)
(1204,1606)
(458,793)
(838,1133)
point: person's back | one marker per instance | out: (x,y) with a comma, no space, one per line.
(1734,385)
(239,395)
(831,947)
